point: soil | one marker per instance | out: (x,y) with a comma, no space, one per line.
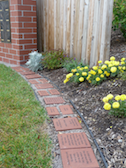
(109,131)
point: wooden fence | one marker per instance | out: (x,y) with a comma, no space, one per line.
(82,28)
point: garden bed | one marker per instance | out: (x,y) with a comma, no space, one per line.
(109,131)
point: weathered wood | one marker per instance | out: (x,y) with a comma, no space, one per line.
(82,28)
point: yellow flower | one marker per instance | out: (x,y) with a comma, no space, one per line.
(99,61)
(113,69)
(73,70)
(122,59)
(105,99)
(95,67)
(66,80)
(89,81)
(103,67)
(99,71)
(93,72)
(97,79)
(120,67)
(102,76)
(78,67)
(107,74)
(124,68)
(86,67)
(81,69)
(122,62)
(118,97)
(116,105)
(77,74)
(107,106)
(69,75)
(88,77)
(109,96)
(110,65)
(116,63)
(81,79)
(123,97)
(106,62)
(112,58)
(84,73)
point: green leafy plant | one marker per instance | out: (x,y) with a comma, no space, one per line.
(97,74)
(71,64)
(34,62)
(54,59)
(116,106)
(119,11)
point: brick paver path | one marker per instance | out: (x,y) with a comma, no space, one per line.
(76,151)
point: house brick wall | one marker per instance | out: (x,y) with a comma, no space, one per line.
(23,32)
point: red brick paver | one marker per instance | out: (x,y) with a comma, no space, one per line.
(43,86)
(66,124)
(54,100)
(17,69)
(32,76)
(73,140)
(65,109)
(79,158)
(43,80)
(43,93)
(52,111)
(27,73)
(54,92)
(32,81)
(25,69)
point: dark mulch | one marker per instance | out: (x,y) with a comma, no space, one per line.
(109,131)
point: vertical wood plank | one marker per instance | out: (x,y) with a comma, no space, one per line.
(90,30)
(61,25)
(58,24)
(103,30)
(42,24)
(80,30)
(100,28)
(93,57)
(68,27)
(39,40)
(72,27)
(85,29)
(54,24)
(108,30)
(64,24)
(77,6)
(50,24)
(45,26)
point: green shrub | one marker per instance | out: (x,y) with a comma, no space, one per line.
(119,12)
(72,64)
(54,59)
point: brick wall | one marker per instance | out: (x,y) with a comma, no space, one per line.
(23,32)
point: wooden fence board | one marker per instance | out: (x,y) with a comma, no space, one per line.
(82,28)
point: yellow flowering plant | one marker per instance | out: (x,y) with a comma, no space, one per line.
(115,105)
(97,74)
(80,74)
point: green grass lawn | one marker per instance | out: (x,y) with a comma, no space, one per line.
(23,142)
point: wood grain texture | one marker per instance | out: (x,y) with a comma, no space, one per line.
(82,28)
